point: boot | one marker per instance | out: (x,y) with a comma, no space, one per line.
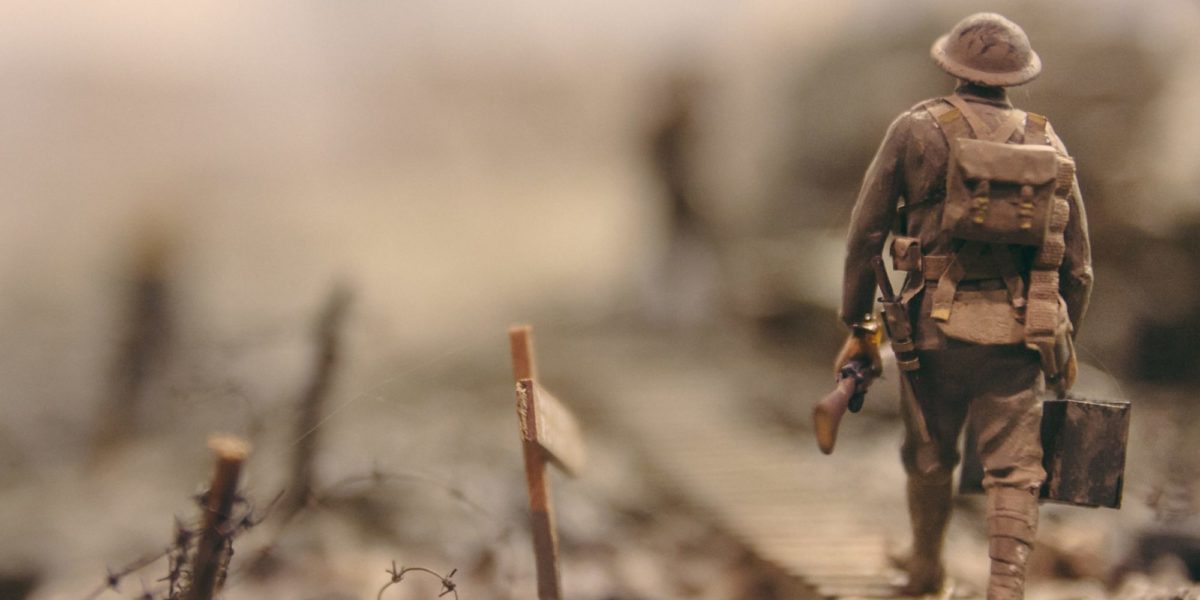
(929,511)
(1012,517)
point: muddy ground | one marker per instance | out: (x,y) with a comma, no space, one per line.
(420,463)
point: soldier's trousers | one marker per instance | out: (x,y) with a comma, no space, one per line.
(999,389)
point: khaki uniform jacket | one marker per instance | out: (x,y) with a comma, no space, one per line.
(903,191)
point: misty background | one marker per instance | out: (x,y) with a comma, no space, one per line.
(677,168)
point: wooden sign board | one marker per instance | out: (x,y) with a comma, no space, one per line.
(549,433)
(545,421)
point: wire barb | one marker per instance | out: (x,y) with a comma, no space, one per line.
(449,586)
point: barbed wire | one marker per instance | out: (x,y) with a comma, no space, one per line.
(448,584)
(203,377)
(178,552)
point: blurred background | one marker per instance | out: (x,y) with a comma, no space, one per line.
(186,186)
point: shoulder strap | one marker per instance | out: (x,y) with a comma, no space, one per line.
(949,119)
(1006,130)
(1000,134)
(979,128)
(1035,129)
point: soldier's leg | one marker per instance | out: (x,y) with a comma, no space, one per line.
(929,491)
(1007,416)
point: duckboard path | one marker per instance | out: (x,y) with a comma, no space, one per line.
(829,521)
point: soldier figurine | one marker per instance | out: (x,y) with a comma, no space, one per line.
(983,208)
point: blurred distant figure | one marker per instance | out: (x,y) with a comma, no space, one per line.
(682,286)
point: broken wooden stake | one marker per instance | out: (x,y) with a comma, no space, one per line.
(212,552)
(146,341)
(327,338)
(549,432)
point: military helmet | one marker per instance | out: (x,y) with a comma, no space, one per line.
(989,49)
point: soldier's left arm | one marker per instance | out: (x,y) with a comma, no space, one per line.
(1075,274)
(871,220)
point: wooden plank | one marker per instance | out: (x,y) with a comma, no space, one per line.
(813,519)
(551,425)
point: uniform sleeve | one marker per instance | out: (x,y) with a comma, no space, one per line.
(1075,274)
(872,219)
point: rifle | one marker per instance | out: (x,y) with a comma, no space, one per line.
(851,390)
(854,377)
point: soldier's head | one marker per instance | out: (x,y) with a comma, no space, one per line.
(987,49)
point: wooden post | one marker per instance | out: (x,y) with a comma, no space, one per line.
(548,431)
(520,341)
(231,452)
(541,510)
(327,337)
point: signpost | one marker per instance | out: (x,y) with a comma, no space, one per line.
(549,433)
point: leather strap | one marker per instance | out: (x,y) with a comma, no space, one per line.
(1006,264)
(934,265)
(1035,129)
(950,120)
(978,127)
(1006,130)
(943,294)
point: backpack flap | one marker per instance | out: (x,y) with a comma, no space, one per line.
(999,193)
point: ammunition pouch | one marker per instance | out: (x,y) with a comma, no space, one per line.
(1048,326)
(906,254)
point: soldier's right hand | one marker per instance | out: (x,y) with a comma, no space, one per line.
(862,346)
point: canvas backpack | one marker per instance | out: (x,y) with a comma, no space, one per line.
(998,195)
(997,192)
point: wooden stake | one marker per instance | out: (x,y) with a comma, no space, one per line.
(541,509)
(327,338)
(520,341)
(231,453)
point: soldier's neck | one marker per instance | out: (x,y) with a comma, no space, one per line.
(983,93)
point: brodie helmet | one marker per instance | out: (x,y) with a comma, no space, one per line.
(989,49)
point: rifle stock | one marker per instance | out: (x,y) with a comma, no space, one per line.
(828,413)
